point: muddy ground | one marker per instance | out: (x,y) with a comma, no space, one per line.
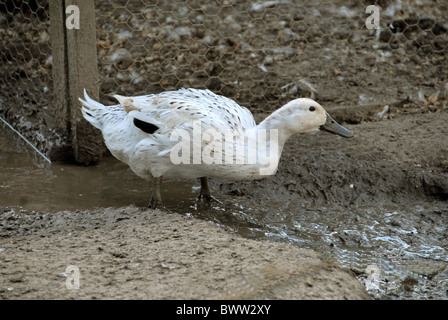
(131,252)
(393,174)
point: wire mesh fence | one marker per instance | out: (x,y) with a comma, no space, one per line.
(25,67)
(260,53)
(263,53)
(25,51)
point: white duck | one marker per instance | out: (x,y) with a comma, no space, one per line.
(144,133)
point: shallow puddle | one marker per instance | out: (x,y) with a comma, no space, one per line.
(397,252)
(28,181)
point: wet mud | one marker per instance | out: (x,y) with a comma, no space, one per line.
(374,206)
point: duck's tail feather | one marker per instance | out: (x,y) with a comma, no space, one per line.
(93,111)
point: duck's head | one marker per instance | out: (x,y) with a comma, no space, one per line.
(306,115)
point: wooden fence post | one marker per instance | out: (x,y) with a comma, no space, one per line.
(75,69)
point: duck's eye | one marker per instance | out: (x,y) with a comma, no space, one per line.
(312,108)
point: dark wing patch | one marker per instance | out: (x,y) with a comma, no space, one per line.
(145,126)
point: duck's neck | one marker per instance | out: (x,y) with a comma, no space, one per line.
(276,122)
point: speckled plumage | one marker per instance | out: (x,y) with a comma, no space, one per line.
(138,131)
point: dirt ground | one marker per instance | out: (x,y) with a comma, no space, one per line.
(261,59)
(129,253)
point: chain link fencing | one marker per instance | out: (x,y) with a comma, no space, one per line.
(264,53)
(25,68)
(260,53)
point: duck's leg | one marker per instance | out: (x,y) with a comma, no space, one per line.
(156,198)
(205,193)
(205,189)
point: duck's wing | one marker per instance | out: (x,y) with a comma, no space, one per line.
(211,103)
(167,111)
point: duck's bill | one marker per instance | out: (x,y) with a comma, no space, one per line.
(332,126)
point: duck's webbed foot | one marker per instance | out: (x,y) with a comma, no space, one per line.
(205,194)
(154,204)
